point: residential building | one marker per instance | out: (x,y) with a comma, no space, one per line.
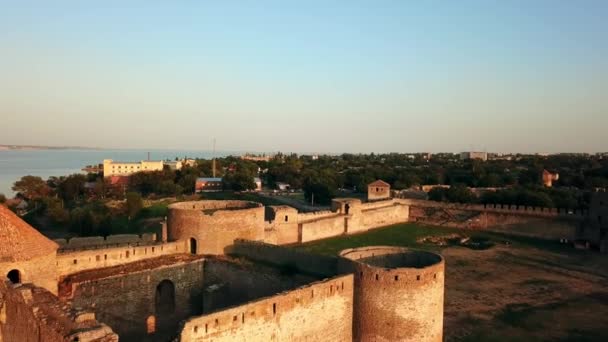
(474,155)
(114,168)
(549,178)
(258,183)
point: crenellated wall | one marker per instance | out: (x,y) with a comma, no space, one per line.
(77,260)
(321,311)
(108,241)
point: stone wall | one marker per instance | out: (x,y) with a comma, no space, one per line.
(127,298)
(320,311)
(399,294)
(282,221)
(282,257)
(213,225)
(322,228)
(109,241)
(32,314)
(72,261)
(41,271)
(228,283)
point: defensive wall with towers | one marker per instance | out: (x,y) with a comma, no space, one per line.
(220,271)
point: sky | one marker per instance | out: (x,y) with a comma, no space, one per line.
(306,76)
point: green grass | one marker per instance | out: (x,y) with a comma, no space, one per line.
(407,234)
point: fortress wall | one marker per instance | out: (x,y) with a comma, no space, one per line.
(384,216)
(282,257)
(315,215)
(378,204)
(399,294)
(282,225)
(73,261)
(100,241)
(537,227)
(215,224)
(322,228)
(228,283)
(321,311)
(41,271)
(127,301)
(30,313)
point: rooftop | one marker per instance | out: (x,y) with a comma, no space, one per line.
(19,241)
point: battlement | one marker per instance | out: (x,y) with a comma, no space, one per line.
(280,316)
(96,242)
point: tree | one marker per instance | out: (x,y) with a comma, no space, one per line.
(2,198)
(32,187)
(71,188)
(134,204)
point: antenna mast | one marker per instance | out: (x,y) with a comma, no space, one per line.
(213,157)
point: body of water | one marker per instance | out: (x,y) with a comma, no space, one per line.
(46,163)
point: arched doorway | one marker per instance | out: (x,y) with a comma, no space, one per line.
(14,276)
(192,246)
(165,298)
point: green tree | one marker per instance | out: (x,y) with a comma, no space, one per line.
(71,187)
(134,204)
(2,198)
(32,187)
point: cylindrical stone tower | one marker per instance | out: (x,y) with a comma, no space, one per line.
(210,226)
(398,294)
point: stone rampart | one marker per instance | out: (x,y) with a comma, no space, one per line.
(322,228)
(109,241)
(30,313)
(320,311)
(140,300)
(285,258)
(72,261)
(399,294)
(210,226)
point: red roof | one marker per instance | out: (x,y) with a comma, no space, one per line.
(379,183)
(19,241)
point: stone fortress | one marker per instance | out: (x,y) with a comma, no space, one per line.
(219,271)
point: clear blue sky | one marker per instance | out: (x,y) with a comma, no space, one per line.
(314,76)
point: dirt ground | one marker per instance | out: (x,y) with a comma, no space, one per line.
(509,293)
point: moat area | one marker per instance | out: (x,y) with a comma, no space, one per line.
(521,289)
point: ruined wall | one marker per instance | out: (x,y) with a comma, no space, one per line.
(215,224)
(32,314)
(399,294)
(303,262)
(228,283)
(126,298)
(72,261)
(40,271)
(318,312)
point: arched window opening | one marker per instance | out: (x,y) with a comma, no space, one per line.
(14,276)
(165,297)
(192,246)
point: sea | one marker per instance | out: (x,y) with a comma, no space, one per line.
(15,164)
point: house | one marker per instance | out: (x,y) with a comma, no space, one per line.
(378,190)
(208,184)
(549,178)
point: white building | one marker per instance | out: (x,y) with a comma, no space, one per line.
(474,155)
(113,168)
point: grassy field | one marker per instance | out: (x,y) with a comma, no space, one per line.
(521,289)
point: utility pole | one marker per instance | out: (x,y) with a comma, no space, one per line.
(213,162)
(312,200)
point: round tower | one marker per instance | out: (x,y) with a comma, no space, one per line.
(398,294)
(210,226)
(26,256)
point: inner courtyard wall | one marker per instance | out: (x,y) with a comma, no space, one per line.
(127,300)
(320,311)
